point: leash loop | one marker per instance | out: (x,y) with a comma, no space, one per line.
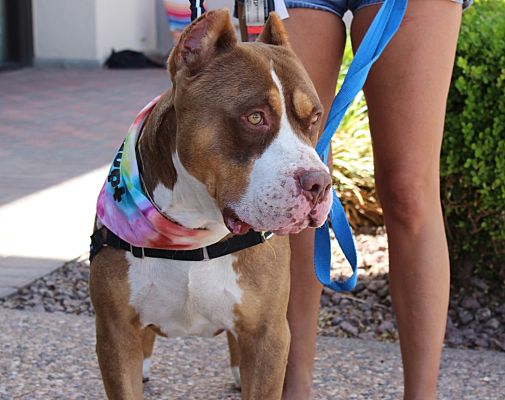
(381,30)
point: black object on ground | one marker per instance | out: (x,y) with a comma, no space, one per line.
(130,59)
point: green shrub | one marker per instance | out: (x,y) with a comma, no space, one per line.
(473,153)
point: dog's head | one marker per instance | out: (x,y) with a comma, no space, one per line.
(248,117)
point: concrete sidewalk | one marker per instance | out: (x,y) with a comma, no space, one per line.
(51,356)
(60,129)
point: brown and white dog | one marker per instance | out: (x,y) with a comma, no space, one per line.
(229,148)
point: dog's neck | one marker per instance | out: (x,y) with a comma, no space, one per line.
(174,191)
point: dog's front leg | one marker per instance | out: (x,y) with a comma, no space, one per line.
(119,334)
(264,355)
(120,356)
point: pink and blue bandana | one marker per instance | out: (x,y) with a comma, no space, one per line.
(125,209)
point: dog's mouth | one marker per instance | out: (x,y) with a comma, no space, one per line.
(239,227)
(234,223)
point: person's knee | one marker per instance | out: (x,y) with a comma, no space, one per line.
(407,198)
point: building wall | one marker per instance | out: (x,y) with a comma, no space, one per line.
(125,24)
(163,36)
(64,30)
(85,31)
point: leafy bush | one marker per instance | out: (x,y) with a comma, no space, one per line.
(353,173)
(473,154)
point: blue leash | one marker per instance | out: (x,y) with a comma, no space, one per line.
(383,28)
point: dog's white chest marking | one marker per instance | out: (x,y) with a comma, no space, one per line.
(190,204)
(183,297)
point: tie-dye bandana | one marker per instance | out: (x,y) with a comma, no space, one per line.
(124,208)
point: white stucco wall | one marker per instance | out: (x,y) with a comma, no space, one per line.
(64,29)
(85,31)
(125,24)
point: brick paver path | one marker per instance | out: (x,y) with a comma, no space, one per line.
(59,124)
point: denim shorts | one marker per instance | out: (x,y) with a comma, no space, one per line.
(339,7)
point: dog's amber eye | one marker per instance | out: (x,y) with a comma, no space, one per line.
(255,118)
(315,118)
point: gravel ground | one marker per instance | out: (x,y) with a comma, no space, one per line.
(476,314)
(52,356)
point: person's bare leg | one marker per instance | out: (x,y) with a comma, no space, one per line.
(318,38)
(406,94)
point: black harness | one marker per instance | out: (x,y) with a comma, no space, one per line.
(104,237)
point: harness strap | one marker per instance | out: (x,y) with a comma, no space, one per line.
(104,237)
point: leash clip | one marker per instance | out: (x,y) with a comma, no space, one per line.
(265,236)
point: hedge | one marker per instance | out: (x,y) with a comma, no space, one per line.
(473,152)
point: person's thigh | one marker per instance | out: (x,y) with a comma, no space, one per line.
(317,38)
(406,93)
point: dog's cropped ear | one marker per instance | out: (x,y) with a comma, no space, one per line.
(210,34)
(274,32)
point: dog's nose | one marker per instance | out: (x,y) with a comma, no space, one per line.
(316,184)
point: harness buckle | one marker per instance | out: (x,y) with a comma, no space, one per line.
(205,254)
(137,252)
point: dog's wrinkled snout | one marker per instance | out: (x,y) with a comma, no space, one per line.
(315,185)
